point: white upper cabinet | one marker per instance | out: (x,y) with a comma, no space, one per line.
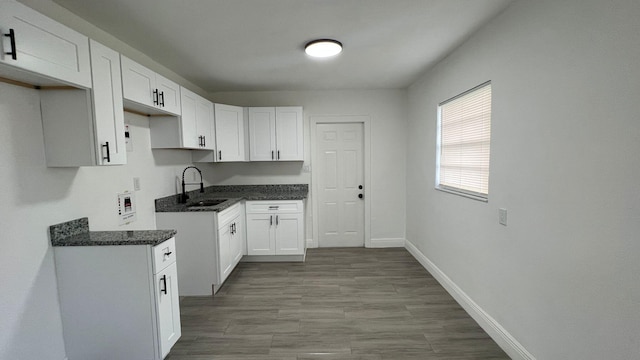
(276,134)
(289,133)
(86,127)
(107,105)
(191,130)
(262,133)
(230,133)
(148,92)
(49,52)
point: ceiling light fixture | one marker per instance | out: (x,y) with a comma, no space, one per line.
(323,48)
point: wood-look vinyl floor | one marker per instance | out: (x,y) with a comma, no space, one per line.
(341,304)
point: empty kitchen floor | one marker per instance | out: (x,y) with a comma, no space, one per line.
(341,304)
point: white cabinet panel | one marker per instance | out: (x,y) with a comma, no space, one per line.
(209,245)
(275,227)
(230,133)
(168,305)
(193,129)
(289,232)
(86,127)
(138,83)
(224,254)
(260,236)
(262,133)
(42,46)
(205,123)
(148,92)
(169,94)
(113,305)
(107,105)
(289,133)
(188,122)
(276,134)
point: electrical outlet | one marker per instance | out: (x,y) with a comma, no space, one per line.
(136,184)
(502,216)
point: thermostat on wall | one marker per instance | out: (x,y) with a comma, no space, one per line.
(126,208)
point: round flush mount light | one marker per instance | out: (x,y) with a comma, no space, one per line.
(323,48)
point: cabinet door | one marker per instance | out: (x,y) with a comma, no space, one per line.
(168,308)
(224,253)
(169,95)
(188,124)
(43,46)
(138,82)
(107,105)
(229,133)
(262,133)
(237,240)
(260,236)
(289,133)
(289,232)
(204,123)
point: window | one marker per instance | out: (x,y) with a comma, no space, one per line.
(464,137)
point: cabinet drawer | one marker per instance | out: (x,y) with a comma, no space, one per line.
(164,254)
(281,206)
(227,215)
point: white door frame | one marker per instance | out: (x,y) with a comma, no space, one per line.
(337,119)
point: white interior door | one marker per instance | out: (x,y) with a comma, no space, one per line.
(340,177)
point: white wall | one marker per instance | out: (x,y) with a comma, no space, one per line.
(388,114)
(563,278)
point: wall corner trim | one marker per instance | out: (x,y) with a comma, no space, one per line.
(311,243)
(499,334)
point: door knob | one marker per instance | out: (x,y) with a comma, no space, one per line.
(360,196)
(360,187)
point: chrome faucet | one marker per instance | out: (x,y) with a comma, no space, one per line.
(184,197)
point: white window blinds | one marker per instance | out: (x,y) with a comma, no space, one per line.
(464,131)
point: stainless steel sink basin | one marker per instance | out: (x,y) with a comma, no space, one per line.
(212,202)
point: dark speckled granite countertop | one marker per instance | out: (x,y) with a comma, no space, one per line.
(232,194)
(76,233)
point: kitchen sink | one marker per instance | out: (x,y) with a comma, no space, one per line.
(212,202)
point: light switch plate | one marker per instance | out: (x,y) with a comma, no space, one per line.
(502,216)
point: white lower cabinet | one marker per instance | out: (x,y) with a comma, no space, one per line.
(275,227)
(168,305)
(118,302)
(209,244)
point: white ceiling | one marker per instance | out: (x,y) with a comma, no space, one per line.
(244,45)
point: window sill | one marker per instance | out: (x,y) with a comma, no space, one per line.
(463,194)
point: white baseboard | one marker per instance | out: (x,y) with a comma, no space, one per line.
(386,243)
(499,334)
(375,243)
